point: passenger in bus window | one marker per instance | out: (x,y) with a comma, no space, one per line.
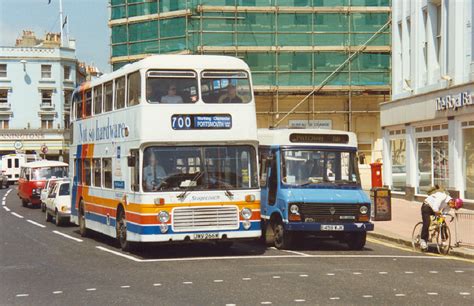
(172,97)
(153,173)
(231,95)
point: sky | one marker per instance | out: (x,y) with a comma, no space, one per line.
(87,24)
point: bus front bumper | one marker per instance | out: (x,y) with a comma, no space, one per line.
(329,227)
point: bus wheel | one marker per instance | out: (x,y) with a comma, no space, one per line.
(126,245)
(356,241)
(282,238)
(82,220)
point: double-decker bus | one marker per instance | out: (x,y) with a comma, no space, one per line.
(164,149)
(311,186)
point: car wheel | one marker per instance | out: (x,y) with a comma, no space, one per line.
(82,220)
(49,218)
(24,202)
(57,219)
(43,207)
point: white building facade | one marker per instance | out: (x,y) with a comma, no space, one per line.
(428,127)
(35,88)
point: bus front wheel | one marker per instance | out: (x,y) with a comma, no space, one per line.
(282,238)
(83,231)
(126,245)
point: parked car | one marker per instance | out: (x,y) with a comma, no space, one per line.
(3,180)
(58,203)
(47,189)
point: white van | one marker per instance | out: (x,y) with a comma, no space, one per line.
(12,163)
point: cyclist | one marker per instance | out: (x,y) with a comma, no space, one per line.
(437,203)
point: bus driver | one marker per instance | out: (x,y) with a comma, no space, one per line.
(153,173)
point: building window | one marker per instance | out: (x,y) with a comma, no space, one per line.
(67,73)
(3,95)
(107,172)
(46,123)
(3,70)
(46,71)
(432,162)
(47,97)
(439,31)
(4,124)
(67,97)
(399,173)
(468,162)
(425,42)
(67,121)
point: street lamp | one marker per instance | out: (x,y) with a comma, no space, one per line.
(24,64)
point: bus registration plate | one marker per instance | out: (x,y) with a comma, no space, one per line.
(205,236)
(332,227)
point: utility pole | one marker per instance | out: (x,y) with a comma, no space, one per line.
(61,21)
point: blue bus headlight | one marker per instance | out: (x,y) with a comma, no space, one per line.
(246,213)
(294,209)
(163,216)
(364,210)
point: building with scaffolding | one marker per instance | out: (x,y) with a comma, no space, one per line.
(314,63)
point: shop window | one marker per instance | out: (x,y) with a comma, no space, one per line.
(398,154)
(440,161)
(424,164)
(468,162)
(432,162)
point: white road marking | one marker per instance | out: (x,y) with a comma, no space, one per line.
(367,296)
(357,273)
(409,272)
(57,292)
(464,293)
(187,283)
(303,275)
(35,223)
(17,215)
(458,271)
(67,236)
(330,274)
(230,305)
(276,276)
(22,295)
(294,252)
(334,298)
(266,303)
(266,257)
(432,293)
(246,278)
(434,272)
(6,208)
(156,285)
(91,289)
(125,287)
(299,301)
(383,272)
(3,202)
(218,281)
(400,294)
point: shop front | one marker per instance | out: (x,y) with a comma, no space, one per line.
(428,140)
(51,145)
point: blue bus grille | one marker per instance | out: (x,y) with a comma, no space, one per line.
(328,212)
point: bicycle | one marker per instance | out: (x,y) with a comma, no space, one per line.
(438,230)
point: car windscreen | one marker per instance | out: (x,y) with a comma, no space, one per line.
(45,173)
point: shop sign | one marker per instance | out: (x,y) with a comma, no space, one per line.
(454,102)
(20,136)
(314,124)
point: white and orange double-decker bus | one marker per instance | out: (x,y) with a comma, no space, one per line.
(164,149)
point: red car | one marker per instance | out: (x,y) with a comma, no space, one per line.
(33,178)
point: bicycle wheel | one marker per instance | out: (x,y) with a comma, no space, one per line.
(416,236)
(443,245)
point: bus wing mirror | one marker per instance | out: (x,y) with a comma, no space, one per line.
(131,161)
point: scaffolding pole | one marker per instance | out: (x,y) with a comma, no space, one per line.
(336,71)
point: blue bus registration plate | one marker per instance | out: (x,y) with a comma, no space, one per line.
(332,227)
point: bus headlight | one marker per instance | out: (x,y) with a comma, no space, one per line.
(163,228)
(246,213)
(364,210)
(294,209)
(163,216)
(246,224)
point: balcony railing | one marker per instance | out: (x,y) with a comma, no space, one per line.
(46,106)
(5,105)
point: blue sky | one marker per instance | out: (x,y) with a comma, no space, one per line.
(87,24)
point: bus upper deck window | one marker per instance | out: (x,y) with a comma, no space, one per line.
(134,88)
(171,87)
(108,91)
(88,101)
(120,93)
(225,87)
(98,99)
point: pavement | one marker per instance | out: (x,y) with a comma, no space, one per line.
(405,214)
(42,264)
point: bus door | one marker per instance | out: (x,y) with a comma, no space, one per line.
(268,178)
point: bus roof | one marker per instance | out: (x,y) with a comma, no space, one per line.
(306,137)
(44,163)
(176,62)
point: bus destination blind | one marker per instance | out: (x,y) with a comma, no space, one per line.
(319,138)
(201,122)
